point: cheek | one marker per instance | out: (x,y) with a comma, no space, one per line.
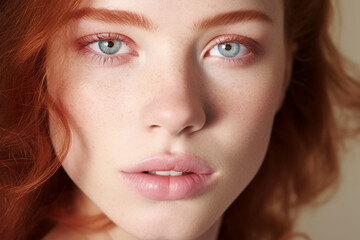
(245,134)
(246,111)
(73,98)
(97,108)
(83,111)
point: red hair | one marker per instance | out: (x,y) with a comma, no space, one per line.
(301,163)
(29,170)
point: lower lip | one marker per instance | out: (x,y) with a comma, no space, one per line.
(164,188)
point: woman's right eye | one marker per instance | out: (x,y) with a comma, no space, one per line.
(110,47)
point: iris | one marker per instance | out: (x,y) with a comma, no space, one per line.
(109,46)
(229,49)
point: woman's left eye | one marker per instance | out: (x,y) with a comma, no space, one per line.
(110,47)
(229,50)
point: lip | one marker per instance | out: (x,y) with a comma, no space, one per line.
(164,188)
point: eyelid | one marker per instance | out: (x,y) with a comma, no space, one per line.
(89,39)
(253,46)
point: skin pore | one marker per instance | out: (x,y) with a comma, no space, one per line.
(166,89)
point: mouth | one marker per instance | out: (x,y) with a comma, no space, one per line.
(169,177)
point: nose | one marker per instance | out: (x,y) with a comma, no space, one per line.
(175,105)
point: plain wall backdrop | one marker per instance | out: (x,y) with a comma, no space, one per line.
(339,219)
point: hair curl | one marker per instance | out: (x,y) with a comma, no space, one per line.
(301,163)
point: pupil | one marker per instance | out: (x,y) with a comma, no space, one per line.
(228,47)
(110,44)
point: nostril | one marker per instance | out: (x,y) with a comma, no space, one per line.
(154,127)
(189,128)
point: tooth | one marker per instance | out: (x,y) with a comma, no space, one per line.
(163,173)
(174,173)
(166,173)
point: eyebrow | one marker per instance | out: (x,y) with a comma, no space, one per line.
(233,17)
(112,16)
(138,20)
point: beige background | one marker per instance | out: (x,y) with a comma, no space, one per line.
(339,219)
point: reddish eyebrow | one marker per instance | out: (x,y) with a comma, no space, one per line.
(135,19)
(112,16)
(233,17)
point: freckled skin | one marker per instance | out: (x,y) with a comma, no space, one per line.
(167,99)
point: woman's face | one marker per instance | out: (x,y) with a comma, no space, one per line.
(170,80)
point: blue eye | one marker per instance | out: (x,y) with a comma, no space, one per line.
(229,50)
(110,46)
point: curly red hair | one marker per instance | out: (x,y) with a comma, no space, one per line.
(301,163)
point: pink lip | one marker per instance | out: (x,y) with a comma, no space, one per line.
(162,188)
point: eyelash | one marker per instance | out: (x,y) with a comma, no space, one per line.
(117,59)
(105,60)
(252,46)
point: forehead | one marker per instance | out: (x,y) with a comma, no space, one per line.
(186,12)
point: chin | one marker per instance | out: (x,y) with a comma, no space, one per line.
(155,228)
(167,234)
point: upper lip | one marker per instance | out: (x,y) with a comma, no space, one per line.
(176,162)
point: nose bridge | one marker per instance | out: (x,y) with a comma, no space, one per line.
(175,103)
